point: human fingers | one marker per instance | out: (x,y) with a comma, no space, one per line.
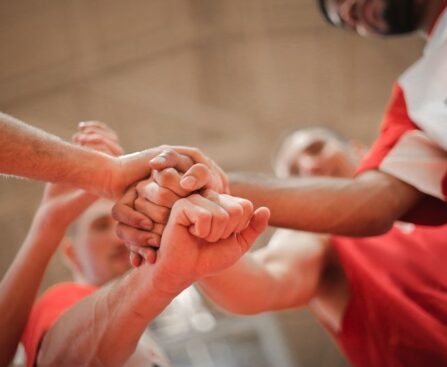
(213,177)
(239,211)
(157,194)
(135,259)
(124,212)
(157,213)
(98,126)
(98,142)
(169,158)
(170,178)
(257,225)
(207,219)
(137,237)
(137,255)
(196,178)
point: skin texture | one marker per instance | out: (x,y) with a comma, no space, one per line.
(374,201)
(29,152)
(296,268)
(61,205)
(186,255)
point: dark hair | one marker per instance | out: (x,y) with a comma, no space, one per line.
(323,10)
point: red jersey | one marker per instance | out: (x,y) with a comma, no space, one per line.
(397,314)
(47,310)
(54,302)
(412,145)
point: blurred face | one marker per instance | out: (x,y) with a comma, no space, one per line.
(376,17)
(99,254)
(309,153)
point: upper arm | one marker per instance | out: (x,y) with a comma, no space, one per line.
(413,165)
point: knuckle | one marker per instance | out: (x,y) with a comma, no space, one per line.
(246,205)
(235,210)
(204,216)
(222,216)
(166,177)
(141,187)
(116,211)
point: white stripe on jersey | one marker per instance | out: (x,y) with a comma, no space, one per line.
(425,86)
(418,161)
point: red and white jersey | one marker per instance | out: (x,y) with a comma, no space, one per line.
(412,145)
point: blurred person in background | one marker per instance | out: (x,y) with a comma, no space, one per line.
(101,318)
(404,176)
(383,299)
(61,204)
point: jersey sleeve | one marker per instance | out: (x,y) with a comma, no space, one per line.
(404,151)
(47,310)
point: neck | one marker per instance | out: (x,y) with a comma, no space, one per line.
(430,10)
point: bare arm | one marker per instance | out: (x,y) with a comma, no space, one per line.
(104,328)
(19,287)
(284,274)
(61,204)
(364,206)
(29,152)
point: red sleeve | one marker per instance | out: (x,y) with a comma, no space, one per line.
(396,123)
(421,162)
(47,310)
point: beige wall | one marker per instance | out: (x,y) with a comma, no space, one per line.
(228,76)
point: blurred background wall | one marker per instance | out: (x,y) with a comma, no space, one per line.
(229,76)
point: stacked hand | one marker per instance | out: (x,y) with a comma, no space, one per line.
(196,228)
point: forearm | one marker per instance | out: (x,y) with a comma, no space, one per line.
(246,288)
(359,207)
(29,152)
(104,329)
(19,286)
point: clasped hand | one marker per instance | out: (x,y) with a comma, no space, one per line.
(183,220)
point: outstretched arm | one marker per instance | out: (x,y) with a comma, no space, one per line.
(61,204)
(200,238)
(364,206)
(284,274)
(30,152)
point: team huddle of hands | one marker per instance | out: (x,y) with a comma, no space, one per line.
(178,219)
(197,228)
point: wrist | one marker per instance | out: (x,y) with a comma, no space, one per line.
(151,296)
(168,284)
(107,173)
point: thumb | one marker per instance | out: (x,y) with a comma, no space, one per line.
(258,223)
(196,177)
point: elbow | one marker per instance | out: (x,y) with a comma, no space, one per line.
(376,225)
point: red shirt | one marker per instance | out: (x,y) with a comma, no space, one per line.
(412,145)
(397,314)
(47,310)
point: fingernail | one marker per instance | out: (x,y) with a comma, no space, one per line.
(146,224)
(188,181)
(159,160)
(151,242)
